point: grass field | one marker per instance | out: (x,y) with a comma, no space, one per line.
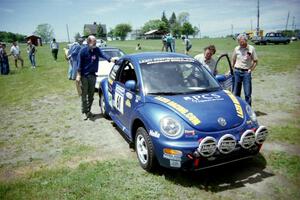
(38,117)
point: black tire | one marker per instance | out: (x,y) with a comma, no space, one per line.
(149,162)
(102,106)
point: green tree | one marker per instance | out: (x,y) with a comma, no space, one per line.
(155,24)
(196,31)
(172,19)
(187,29)
(121,30)
(100,31)
(111,33)
(164,19)
(176,30)
(11,37)
(183,17)
(77,36)
(45,31)
(87,32)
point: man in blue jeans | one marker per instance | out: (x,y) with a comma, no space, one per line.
(31,50)
(244,61)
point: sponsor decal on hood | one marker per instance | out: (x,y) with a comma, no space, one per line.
(238,107)
(214,111)
(185,112)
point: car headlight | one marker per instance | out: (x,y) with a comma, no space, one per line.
(171,127)
(251,113)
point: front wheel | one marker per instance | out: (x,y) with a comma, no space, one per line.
(102,106)
(144,150)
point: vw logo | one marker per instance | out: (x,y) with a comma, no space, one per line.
(222,121)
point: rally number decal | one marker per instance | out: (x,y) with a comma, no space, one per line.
(119,99)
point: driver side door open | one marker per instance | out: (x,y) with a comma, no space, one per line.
(224,71)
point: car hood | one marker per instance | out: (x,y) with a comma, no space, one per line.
(104,68)
(209,112)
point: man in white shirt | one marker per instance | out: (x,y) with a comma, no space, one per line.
(206,58)
(244,61)
(54,49)
(187,44)
(16,53)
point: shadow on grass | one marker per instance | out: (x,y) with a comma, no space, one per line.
(260,113)
(96,117)
(216,179)
(221,178)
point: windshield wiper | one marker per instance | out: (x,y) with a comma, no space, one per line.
(213,89)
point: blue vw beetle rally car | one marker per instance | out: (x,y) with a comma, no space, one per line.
(175,113)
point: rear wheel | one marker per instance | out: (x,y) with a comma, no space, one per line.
(102,106)
(145,150)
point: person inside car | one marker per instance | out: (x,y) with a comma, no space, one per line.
(206,58)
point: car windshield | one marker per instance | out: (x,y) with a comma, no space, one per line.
(169,78)
(113,53)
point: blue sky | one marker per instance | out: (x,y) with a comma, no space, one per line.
(214,17)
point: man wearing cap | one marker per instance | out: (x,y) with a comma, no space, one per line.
(86,74)
(244,61)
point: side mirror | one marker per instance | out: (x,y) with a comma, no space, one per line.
(130,85)
(220,78)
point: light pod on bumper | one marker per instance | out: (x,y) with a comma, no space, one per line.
(261,134)
(207,146)
(247,139)
(226,143)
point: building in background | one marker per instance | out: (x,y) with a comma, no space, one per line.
(154,34)
(98,30)
(36,40)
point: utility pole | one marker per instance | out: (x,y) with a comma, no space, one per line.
(257,28)
(68,33)
(232,30)
(199,31)
(293,24)
(287,21)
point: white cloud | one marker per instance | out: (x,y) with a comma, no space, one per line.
(7,10)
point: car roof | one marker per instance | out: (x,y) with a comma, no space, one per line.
(152,55)
(109,48)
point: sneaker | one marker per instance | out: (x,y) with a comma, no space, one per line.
(84,116)
(90,115)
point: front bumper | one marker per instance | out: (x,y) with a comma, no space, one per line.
(196,156)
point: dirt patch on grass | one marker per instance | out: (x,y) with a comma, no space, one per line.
(277,96)
(50,132)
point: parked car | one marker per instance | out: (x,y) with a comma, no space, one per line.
(175,114)
(275,38)
(100,43)
(294,38)
(104,66)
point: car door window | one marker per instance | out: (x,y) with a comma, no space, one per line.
(127,73)
(114,72)
(223,67)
